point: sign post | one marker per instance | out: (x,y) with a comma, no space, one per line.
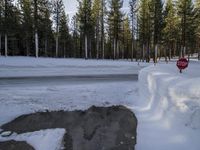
(182,63)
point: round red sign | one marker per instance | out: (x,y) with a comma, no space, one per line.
(182,63)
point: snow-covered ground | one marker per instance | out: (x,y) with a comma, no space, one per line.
(49,139)
(166,103)
(18,97)
(168,109)
(30,66)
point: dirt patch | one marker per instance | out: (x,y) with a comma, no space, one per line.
(98,128)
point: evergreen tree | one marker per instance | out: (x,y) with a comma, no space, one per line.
(65,36)
(96,9)
(1,24)
(8,21)
(115,18)
(156,7)
(170,31)
(85,21)
(35,24)
(75,37)
(133,11)
(58,8)
(45,28)
(102,22)
(197,23)
(127,39)
(27,24)
(143,21)
(186,13)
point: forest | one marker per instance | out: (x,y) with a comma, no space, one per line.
(100,29)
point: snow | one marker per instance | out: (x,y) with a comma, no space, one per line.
(30,66)
(166,103)
(168,109)
(50,139)
(18,99)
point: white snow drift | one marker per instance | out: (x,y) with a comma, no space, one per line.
(168,109)
(50,139)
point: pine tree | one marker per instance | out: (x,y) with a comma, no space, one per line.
(197,23)
(143,21)
(75,37)
(103,14)
(15,33)
(1,24)
(35,6)
(133,11)
(127,39)
(156,7)
(85,20)
(40,9)
(64,35)
(57,10)
(45,28)
(115,18)
(8,21)
(170,31)
(186,13)
(27,23)
(96,9)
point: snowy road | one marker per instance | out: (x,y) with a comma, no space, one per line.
(65,80)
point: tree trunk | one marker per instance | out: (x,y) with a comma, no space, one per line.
(166,54)
(90,47)
(0,44)
(6,45)
(132,36)
(184,50)
(103,49)
(132,47)
(174,49)
(97,53)
(188,55)
(156,52)
(45,49)
(123,52)
(180,54)
(27,48)
(65,50)
(36,44)
(143,49)
(114,48)
(117,49)
(86,47)
(102,29)
(57,46)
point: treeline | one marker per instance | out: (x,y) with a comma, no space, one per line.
(100,29)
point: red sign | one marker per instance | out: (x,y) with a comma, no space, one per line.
(182,63)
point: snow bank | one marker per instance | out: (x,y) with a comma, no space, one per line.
(50,139)
(30,66)
(55,62)
(170,102)
(163,89)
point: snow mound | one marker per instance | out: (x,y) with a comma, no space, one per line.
(50,139)
(167,93)
(168,108)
